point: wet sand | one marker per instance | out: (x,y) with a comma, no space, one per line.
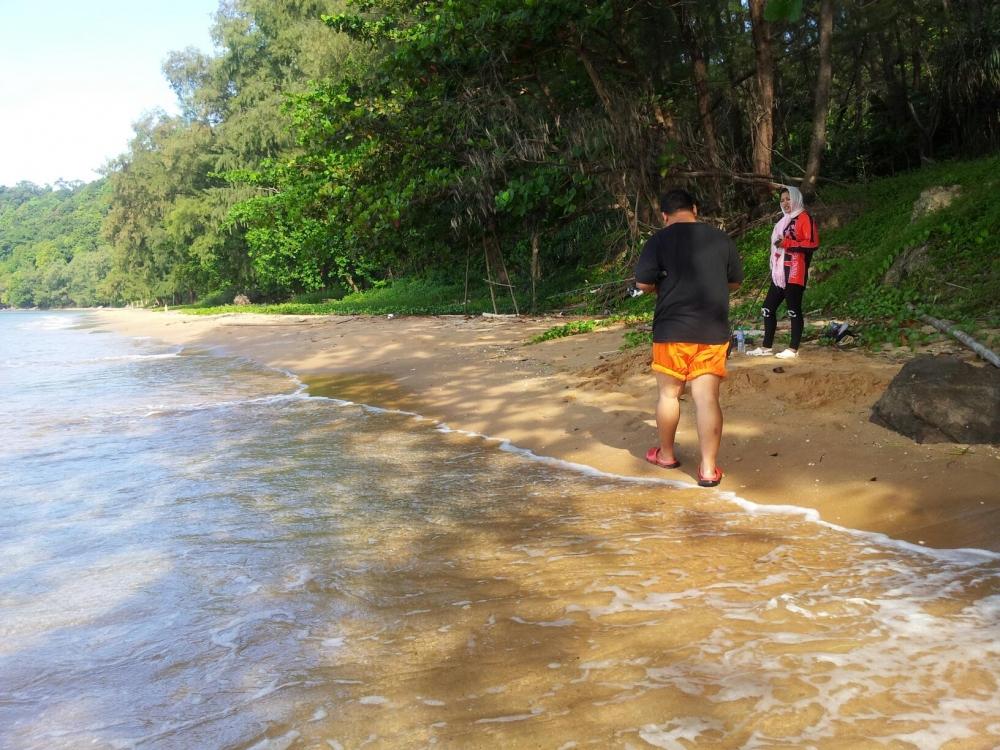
(795,434)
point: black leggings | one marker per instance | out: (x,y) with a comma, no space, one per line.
(792,297)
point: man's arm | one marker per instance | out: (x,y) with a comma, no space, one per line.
(647,268)
(734,285)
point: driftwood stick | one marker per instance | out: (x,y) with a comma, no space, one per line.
(983,351)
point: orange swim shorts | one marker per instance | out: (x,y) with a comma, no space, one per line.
(687,361)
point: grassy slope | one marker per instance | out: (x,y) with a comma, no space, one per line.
(960,281)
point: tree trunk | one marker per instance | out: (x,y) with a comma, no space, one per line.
(536,271)
(598,83)
(489,274)
(897,96)
(495,266)
(763,113)
(822,104)
(645,204)
(699,71)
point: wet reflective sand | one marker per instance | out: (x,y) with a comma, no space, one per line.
(276,571)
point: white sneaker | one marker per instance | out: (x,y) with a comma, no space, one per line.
(787,354)
(760,351)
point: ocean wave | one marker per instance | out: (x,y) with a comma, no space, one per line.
(277,398)
(963,556)
(49,323)
(62,362)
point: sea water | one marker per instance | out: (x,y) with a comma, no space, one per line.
(195,553)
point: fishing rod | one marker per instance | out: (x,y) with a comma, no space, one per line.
(737,328)
(591,287)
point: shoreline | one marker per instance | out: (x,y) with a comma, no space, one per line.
(959,555)
(796,434)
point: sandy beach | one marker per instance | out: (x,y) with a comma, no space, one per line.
(796,433)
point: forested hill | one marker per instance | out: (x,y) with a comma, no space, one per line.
(51,250)
(516,146)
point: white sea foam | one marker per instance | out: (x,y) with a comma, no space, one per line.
(50,322)
(153,410)
(669,735)
(131,357)
(964,556)
(626,601)
(232,635)
(512,717)
(298,577)
(283,742)
(564,623)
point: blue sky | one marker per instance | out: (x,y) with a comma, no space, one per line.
(74,76)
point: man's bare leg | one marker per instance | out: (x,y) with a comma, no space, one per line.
(708,416)
(668,413)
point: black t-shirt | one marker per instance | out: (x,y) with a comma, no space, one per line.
(692,264)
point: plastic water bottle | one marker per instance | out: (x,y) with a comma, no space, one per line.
(741,341)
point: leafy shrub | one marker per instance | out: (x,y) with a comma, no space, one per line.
(635,338)
(569,329)
(217,298)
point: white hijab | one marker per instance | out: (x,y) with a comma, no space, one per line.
(777,254)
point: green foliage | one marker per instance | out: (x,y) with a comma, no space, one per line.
(960,278)
(320,295)
(576,327)
(754,248)
(783,10)
(518,146)
(636,338)
(51,253)
(567,329)
(409,296)
(217,298)
(173,223)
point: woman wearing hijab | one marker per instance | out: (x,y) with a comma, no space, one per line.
(793,240)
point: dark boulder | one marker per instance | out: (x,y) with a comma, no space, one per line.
(942,400)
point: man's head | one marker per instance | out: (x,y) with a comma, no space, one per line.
(678,205)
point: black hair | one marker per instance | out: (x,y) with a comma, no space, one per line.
(676,200)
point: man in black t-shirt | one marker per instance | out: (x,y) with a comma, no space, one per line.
(692,267)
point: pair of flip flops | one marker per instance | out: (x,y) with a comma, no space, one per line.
(712,481)
(653,456)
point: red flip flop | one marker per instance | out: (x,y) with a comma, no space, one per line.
(653,456)
(710,481)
